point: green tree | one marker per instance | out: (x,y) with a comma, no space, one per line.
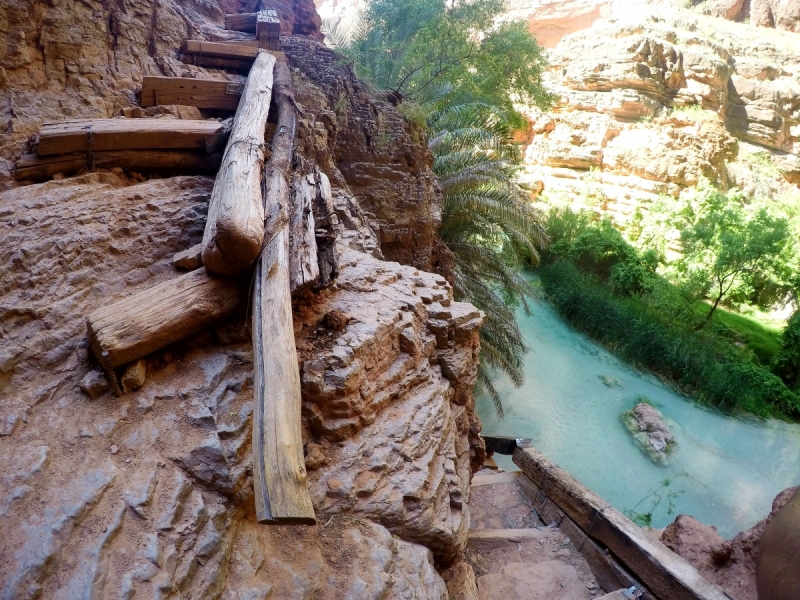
(432,51)
(464,72)
(725,242)
(489,225)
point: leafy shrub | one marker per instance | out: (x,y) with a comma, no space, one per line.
(786,363)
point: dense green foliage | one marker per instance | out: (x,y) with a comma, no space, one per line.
(489,225)
(428,51)
(451,68)
(727,244)
(607,288)
(786,363)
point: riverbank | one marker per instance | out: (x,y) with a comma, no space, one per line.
(570,405)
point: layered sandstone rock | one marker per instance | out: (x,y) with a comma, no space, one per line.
(647,106)
(153,491)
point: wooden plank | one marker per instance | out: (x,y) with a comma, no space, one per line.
(237,51)
(187,91)
(327,231)
(32,167)
(231,56)
(143,323)
(97,135)
(234,230)
(245,22)
(668,576)
(279,474)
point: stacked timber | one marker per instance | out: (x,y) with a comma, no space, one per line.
(259,215)
(264,24)
(158,145)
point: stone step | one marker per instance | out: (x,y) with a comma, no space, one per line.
(504,477)
(529,564)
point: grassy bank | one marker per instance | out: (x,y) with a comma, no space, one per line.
(700,363)
(764,339)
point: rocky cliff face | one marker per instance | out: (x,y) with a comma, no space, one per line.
(150,495)
(648,106)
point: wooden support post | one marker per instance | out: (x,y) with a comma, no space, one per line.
(279,474)
(97,135)
(234,230)
(268,29)
(303,265)
(186,91)
(31,167)
(138,325)
(313,223)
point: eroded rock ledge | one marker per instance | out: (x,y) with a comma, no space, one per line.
(151,494)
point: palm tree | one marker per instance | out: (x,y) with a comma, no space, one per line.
(489,225)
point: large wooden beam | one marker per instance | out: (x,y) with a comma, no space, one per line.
(186,91)
(237,56)
(143,323)
(303,265)
(96,135)
(246,51)
(279,474)
(245,22)
(31,167)
(667,575)
(234,230)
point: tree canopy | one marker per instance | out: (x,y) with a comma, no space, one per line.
(426,50)
(727,243)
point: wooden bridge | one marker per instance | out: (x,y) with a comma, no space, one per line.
(258,211)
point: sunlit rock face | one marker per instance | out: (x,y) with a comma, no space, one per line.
(647,105)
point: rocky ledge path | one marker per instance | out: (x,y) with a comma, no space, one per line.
(514,555)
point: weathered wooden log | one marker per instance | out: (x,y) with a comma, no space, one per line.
(245,22)
(247,51)
(313,223)
(303,265)
(327,230)
(279,474)
(31,167)
(98,135)
(667,575)
(138,325)
(234,230)
(186,91)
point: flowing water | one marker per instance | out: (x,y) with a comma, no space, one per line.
(728,469)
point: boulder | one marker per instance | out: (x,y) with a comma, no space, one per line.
(649,429)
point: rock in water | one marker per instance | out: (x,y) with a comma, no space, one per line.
(647,425)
